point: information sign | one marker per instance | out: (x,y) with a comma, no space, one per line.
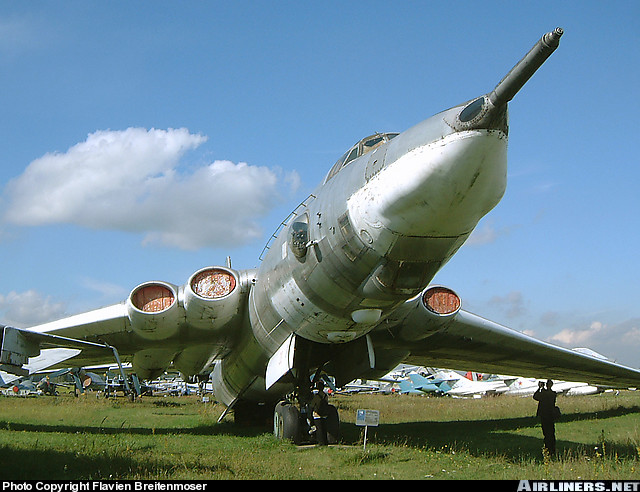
(368,418)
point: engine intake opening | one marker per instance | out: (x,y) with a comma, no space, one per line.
(153,298)
(441,300)
(213,283)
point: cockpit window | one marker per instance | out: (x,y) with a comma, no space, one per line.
(372,142)
(352,155)
(363,147)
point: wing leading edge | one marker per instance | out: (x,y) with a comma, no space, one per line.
(465,341)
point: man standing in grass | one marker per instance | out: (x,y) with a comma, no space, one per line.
(546,399)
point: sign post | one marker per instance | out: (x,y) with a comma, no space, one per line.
(367,418)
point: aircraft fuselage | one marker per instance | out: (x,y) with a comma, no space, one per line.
(371,236)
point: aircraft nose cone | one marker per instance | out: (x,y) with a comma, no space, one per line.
(440,189)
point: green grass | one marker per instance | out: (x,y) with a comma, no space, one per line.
(418,438)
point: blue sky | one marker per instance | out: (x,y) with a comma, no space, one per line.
(145,141)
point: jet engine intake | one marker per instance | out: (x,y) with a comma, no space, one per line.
(436,307)
(153,310)
(212,297)
(441,301)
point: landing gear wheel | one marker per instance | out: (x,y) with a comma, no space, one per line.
(286,422)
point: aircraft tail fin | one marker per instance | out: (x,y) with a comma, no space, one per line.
(418,379)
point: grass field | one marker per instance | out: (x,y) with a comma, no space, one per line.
(418,438)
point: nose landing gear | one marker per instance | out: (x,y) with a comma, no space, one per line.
(307,418)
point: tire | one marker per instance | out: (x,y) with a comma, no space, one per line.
(286,422)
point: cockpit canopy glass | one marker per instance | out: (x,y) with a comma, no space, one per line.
(363,147)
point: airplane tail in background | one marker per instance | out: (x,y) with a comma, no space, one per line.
(429,385)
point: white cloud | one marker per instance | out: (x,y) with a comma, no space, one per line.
(28,309)
(575,338)
(106,290)
(488,233)
(485,234)
(132,181)
(619,341)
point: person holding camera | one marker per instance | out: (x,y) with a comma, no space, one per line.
(547,412)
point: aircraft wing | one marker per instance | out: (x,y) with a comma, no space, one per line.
(86,337)
(466,340)
(94,324)
(47,358)
(158,325)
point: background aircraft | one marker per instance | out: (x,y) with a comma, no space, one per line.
(22,388)
(344,284)
(418,384)
(460,386)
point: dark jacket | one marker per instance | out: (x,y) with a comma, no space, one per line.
(546,399)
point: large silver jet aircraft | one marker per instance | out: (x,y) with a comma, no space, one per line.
(343,287)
